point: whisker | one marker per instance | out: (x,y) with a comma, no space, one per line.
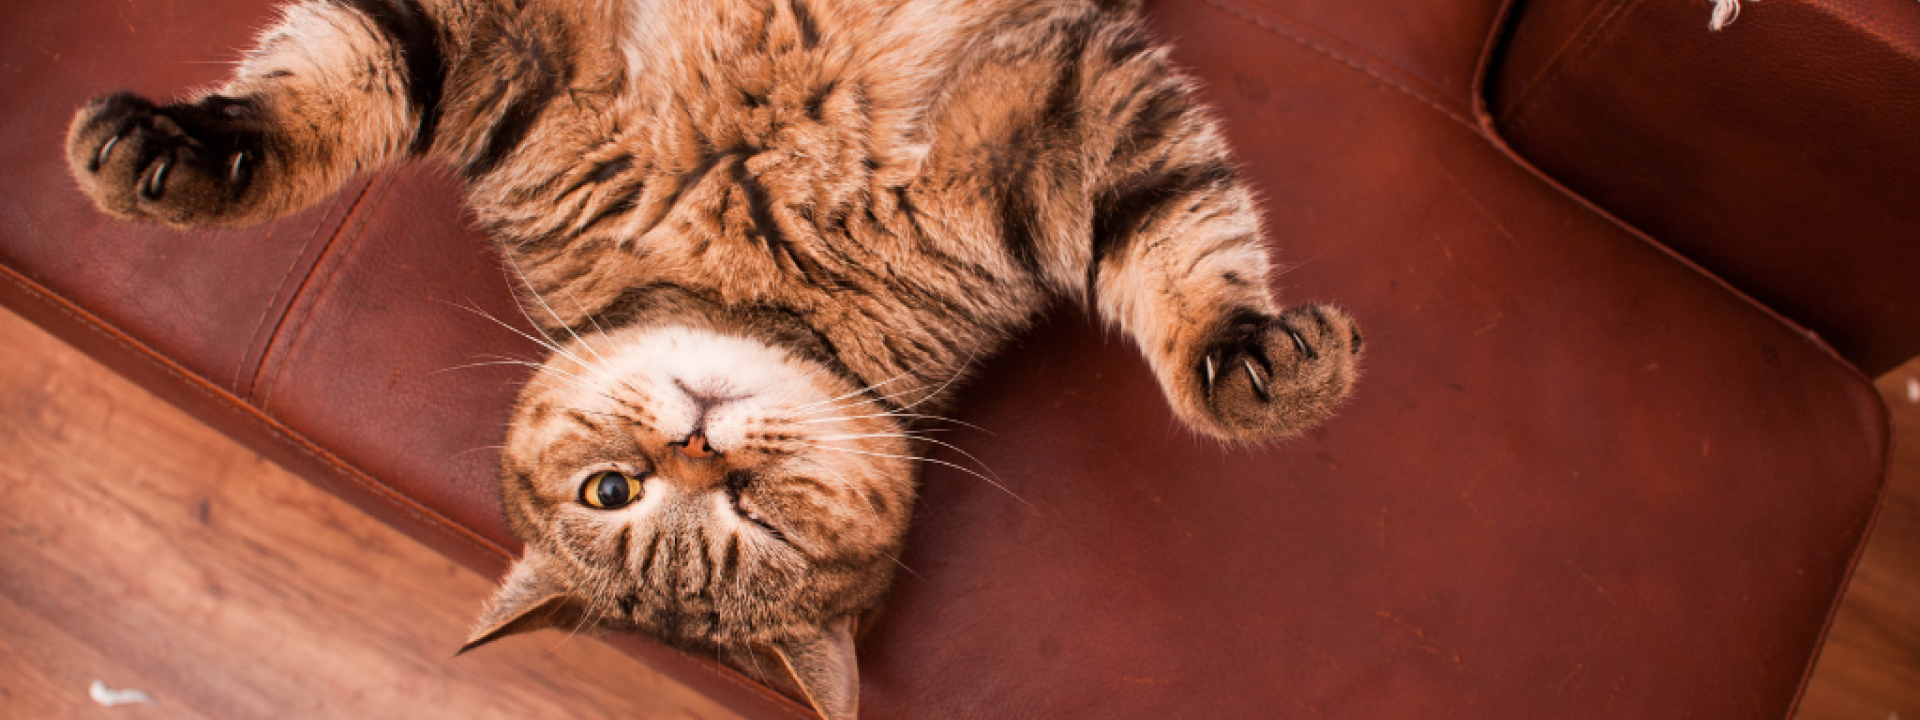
(874,386)
(579,382)
(943,386)
(935,461)
(948,445)
(470,451)
(903,566)
(850,488)
(857,403)
(591,319)
(547,343)
(895,414)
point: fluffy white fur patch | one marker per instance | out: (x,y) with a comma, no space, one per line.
(747,378)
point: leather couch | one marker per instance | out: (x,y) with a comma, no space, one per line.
(1604,461)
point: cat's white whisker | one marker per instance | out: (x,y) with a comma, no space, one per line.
(545,343)
(548,342)
(851,488)
(877,398)
(470,451)
(903,566)
(591,319)
(936,418)
(935,461)
(868,388)
(578,382)
(904,436)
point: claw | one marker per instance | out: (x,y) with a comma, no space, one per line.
(106,151)
(1259,386)
(1209,363)
(1301,345)
(235,168)
(157,185)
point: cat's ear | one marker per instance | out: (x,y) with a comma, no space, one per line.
(823,664)
(527,600)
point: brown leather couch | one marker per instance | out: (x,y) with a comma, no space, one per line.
(1591,472)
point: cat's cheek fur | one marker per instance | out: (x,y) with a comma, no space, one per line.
(700,379)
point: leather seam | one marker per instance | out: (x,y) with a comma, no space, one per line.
(1520,107)
(321,279)
(1599,18)
(1343,60)
(1504,25)
(254,391)
(298,442)
(261,323)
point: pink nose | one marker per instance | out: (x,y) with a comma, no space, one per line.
(696,447)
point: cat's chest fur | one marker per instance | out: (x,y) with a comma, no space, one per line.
(760,158)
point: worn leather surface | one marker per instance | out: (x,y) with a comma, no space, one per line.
(1779,154)
(1579,478)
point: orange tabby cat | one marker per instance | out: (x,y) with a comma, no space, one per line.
(764,238)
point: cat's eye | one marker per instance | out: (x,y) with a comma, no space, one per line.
(609,490)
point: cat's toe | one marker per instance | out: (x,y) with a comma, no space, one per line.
(1263,376)
(144,162)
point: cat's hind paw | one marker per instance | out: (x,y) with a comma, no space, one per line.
(184,165)
(1260,377)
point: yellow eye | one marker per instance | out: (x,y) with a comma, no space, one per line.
(610,490)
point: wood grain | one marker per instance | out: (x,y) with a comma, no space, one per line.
(1869,668)
(144,549)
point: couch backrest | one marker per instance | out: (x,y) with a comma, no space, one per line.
(1781,153)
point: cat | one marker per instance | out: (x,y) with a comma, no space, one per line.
(763,239)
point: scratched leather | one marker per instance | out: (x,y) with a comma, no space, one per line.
(1779,154)
(1579,478)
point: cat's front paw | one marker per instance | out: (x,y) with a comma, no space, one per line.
(183,165)
(1259,376)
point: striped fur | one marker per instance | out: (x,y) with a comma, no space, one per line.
(872,194)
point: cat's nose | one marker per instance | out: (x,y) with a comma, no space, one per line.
(696,446)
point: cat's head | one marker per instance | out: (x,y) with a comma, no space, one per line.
(710,484)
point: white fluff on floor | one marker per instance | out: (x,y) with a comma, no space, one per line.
(110,697)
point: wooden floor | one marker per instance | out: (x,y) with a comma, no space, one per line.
(144,550)
(1870,666)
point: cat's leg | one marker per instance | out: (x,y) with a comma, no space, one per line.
(1179,263)
(332,89)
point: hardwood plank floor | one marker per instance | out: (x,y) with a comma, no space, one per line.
(1870,666)
(141,548)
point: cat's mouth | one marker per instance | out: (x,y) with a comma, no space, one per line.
(745,509)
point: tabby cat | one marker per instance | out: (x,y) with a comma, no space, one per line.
(764,238)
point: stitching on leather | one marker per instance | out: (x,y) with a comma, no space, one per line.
(285,275)
(315,283)
(293,301)
(1606,30)
(381,491)
(1599,16)
(1362,68)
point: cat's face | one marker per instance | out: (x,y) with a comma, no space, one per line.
(700,486)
